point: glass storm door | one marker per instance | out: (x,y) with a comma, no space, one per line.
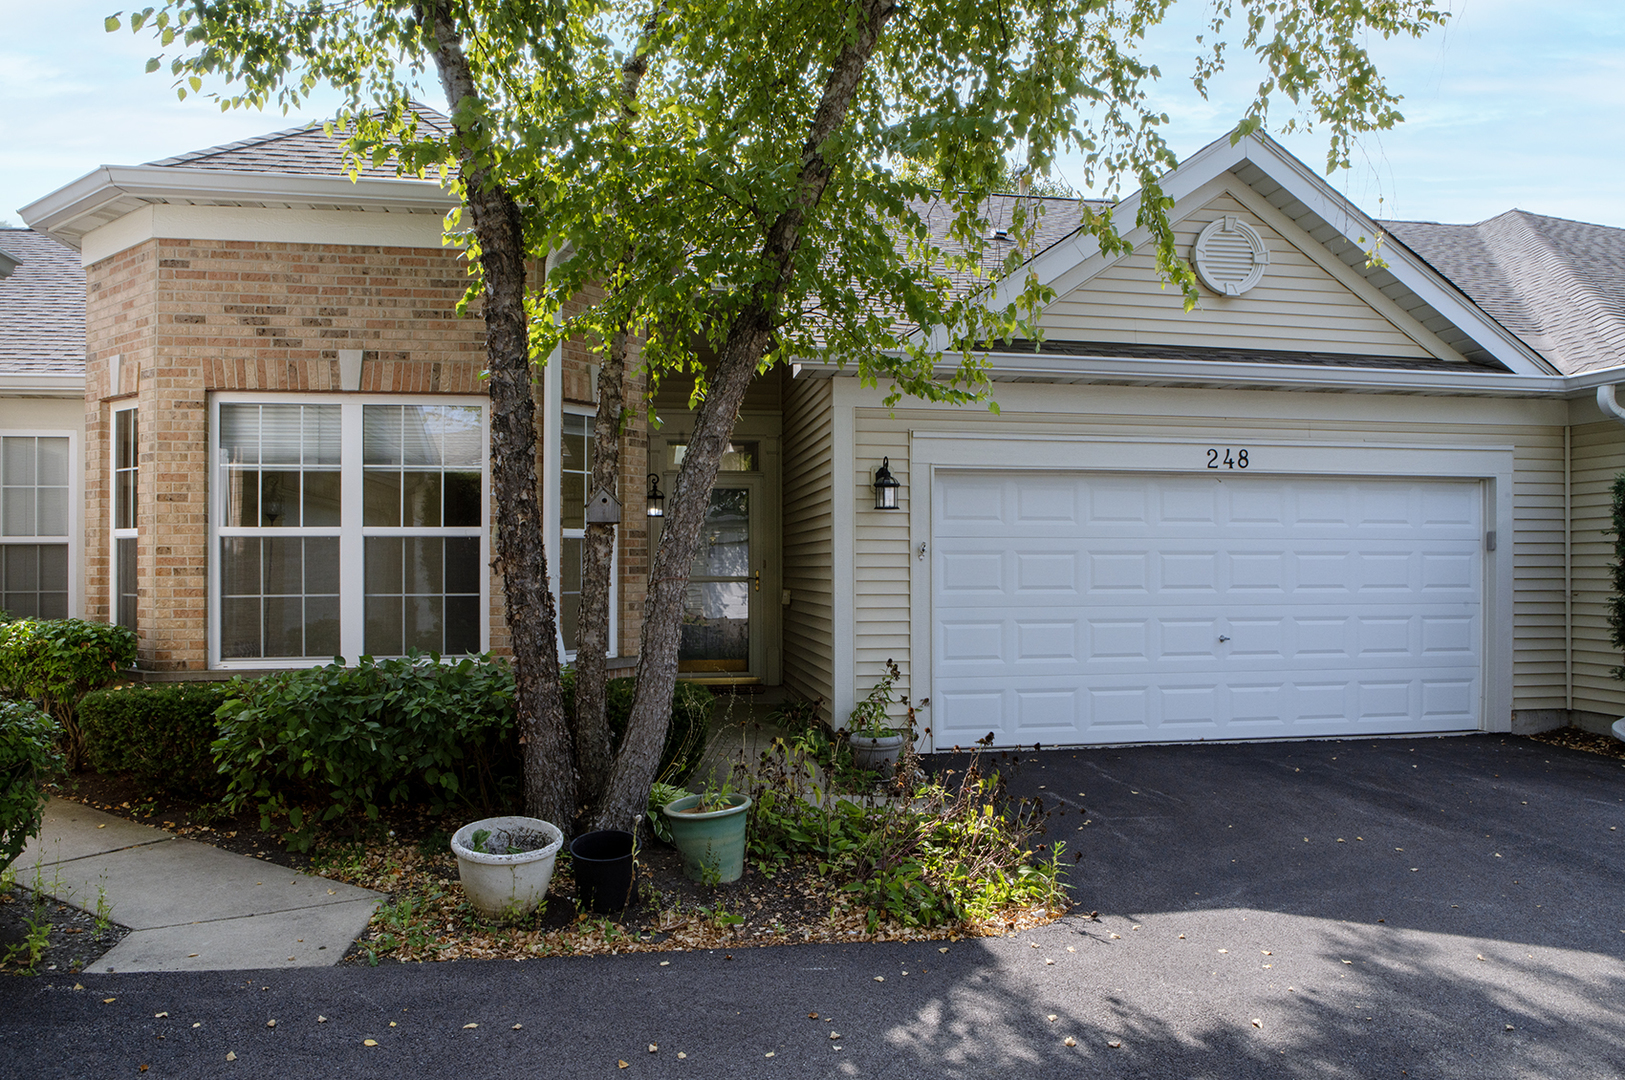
(716,634)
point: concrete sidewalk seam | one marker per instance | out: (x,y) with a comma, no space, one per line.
(59,861)
(253,914)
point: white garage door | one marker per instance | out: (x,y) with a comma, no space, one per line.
(1104,608)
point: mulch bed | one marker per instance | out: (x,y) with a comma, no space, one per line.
(76,938)
(1574,738)
(407,855)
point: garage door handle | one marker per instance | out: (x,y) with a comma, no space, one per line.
(1224,637)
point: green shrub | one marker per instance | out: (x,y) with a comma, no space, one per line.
(57,661)
(28,757)
(161,735)
(353,739)
(691,706)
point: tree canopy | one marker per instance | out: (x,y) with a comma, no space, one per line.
(746,180)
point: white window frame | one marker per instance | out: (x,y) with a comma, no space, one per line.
(75,502)
(556,475)
(352,533)
(114,533)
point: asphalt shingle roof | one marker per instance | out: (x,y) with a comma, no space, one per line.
(1558,284)
(302,151)
(42,307)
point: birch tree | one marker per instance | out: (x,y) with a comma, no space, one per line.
(780,180)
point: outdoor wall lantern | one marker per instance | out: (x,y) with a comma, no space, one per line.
(657,501)
(886,486)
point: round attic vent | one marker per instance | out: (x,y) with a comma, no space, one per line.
(1230,256)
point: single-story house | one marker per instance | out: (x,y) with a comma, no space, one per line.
(42,425)
(1345,495)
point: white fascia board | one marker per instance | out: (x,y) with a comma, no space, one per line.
(17,384)
(61,213)
(1428,285)
(1068,263)
(1238,374)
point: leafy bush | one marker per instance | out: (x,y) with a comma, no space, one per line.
(935,852)
(162,735)
(28,757)
(1616,570)
(691,706)
(57,661)
(384,732)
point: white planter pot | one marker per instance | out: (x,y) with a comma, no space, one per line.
(506,886)
(878,753)
(1619,729)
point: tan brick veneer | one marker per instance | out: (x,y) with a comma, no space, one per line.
(187,317)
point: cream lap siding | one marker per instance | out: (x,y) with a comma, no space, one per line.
(1539,665)
(808,538)
(1297,305)
(882,565)
(1598,455)
(883,546)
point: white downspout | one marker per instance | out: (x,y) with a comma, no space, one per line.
(1610,405)
(552,426)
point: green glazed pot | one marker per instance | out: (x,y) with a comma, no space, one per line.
(712,843)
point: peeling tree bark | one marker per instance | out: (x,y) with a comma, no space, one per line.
(749,338)
(521,554)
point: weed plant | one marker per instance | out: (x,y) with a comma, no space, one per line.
(920,851)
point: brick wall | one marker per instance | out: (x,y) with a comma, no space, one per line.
(190,317)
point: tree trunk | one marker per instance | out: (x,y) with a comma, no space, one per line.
(592,735)
(748,340)
(521,554)
(594,752)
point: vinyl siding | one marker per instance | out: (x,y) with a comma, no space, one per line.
(808,538)
(1297,305)
(884,546)
(1598,456)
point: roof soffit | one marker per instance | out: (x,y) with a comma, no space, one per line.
(112,191)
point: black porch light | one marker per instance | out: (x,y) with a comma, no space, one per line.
(886,486)
(657,501)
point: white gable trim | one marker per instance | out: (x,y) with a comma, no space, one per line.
(1067,264)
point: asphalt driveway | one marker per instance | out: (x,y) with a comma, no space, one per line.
(1418,908)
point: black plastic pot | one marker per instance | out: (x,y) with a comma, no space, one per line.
(602,862)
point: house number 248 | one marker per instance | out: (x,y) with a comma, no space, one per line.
(1236,460)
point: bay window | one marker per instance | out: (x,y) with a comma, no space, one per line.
(348,527)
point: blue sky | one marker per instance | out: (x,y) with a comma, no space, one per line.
(1516,104)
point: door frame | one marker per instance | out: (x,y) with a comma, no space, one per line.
(962,451)
(766,613)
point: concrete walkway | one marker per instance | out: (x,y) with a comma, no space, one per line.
(189,906)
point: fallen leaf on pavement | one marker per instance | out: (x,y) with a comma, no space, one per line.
(465,1026)
(369,1042)
(231,1055)
(321,1019)
(1257,1023)
(653,1047)
(1069,1041)
(812,1016)
(159,1016)
(680,1054)
(943,949)
(1115,1043)
(880,978)
(622,1065)
(109,1001)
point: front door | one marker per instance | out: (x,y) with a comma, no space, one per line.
(724,587)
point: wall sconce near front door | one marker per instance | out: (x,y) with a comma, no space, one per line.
(886,486)
(657,501)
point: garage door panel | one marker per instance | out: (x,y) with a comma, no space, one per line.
(1346,607)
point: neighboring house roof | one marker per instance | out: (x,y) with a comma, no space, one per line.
(42,307)
(1558,284)
(301,151)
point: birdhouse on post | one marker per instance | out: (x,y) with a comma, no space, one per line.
(603,508)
